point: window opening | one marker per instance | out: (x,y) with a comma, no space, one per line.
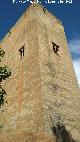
(55,48)
(44,9)
(21,51)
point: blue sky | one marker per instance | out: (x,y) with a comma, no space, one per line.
(68,13)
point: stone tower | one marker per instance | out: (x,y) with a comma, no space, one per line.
(42,90)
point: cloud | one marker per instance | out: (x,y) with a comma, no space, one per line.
(74,46)
(76,64)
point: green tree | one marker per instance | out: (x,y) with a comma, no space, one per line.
(4,73)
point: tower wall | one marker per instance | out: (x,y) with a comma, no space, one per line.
(22,114)
(59,84)
(42,89)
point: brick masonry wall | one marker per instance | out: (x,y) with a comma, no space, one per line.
(59,83)
(43,87)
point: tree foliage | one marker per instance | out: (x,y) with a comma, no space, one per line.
(1,53)
(4,73)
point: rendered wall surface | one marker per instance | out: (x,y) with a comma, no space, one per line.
(43,88)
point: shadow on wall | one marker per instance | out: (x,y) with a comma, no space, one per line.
(62,135)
